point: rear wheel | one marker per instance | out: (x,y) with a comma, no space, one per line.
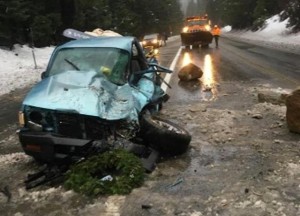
(165,136)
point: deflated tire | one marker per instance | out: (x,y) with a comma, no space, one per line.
(165,136)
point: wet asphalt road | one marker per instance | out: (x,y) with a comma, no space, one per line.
(232,61)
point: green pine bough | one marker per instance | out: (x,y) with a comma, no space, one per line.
(125,168)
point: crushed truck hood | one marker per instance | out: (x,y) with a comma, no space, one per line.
(87,93)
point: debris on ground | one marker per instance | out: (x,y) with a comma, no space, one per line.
(276,97)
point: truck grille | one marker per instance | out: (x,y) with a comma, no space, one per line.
(69,125)
(77,126)
(82,127)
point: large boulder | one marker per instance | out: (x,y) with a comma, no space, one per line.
(293,111)
(190,72)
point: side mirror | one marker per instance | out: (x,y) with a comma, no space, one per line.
(160,68)
(43,75)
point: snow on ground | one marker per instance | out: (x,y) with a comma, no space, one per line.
(17,67)
(273,34)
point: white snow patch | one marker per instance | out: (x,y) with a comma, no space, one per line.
(14,158)
(274,34)
(17,68)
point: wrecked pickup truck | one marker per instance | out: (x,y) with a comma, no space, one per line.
(94,94)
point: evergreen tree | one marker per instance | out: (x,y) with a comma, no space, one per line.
(13,17)
(293,12)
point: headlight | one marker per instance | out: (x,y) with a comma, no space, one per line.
(185,29)
(144,42)
(21,119)
(154,41)
(208,28)
(36,117)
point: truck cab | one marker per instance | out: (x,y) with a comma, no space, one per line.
(196,31)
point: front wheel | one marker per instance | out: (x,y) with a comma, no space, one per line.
(165,136)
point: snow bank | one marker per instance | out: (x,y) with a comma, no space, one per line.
(274,34)
(17,68)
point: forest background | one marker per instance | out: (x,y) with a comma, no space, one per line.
(41,22)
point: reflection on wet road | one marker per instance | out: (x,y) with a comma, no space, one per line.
(203,89)
(233,62)
(186,59)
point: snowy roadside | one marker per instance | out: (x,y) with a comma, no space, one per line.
(273,35)
(17,68)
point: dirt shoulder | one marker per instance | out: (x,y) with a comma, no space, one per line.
(242,161)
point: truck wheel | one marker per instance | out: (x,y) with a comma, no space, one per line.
(165,136)
(195,46)
(205,46)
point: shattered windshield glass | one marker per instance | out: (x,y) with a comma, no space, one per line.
(110,62)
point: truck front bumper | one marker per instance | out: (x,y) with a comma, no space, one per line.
(50,148)
(196,38)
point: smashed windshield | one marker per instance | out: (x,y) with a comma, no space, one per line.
(110,62)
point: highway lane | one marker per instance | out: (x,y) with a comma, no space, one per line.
(232,62)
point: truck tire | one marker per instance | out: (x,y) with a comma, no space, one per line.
(165,136)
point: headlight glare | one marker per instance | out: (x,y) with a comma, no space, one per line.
(208,28)
(185,29)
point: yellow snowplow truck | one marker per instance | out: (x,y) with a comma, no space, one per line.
(196,31)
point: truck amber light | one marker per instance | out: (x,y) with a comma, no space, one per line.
(33,147)
(21,119)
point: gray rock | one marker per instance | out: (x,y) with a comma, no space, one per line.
(293,111)
(190,72)
(273,97)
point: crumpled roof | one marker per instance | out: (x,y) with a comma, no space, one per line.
(98,32)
